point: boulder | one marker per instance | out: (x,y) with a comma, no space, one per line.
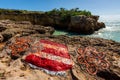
(84,24)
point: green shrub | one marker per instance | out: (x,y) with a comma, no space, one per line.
(71,12)
(65,14)
(15,11)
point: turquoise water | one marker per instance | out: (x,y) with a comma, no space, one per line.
(59,32)
(112,30)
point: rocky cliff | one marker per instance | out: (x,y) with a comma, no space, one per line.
(79,23)
(84,24)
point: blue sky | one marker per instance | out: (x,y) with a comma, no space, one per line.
(97,7)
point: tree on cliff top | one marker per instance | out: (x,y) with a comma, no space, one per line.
(66,14)
(71,12)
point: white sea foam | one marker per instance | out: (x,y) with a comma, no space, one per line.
(112,30)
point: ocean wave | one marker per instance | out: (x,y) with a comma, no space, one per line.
(112,30)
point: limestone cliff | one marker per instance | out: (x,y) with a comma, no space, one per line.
(78,23)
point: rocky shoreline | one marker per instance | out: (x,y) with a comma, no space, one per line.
(85,25)
(81,24)
(9,28)
(16,69)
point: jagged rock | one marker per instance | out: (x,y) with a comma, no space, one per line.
(79,24)
(1,38)
(84,24)
(2,29)
(18,69)
(100,25)
(11,28)
(95,17)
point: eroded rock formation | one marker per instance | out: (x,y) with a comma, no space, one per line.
(84,24)
(10,29)
(18,69)
(79,23)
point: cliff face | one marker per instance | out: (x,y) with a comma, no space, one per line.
(80,23)
(84,24)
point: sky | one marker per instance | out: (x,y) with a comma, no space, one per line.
(97,7)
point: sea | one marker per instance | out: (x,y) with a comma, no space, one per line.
(111,32)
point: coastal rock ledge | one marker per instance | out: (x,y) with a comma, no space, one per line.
(79,24)
(84,24)
(19,70)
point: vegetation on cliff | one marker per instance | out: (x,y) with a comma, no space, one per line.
(15,11)
(71,12)
(61,12)
(73,20)
(66,14)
